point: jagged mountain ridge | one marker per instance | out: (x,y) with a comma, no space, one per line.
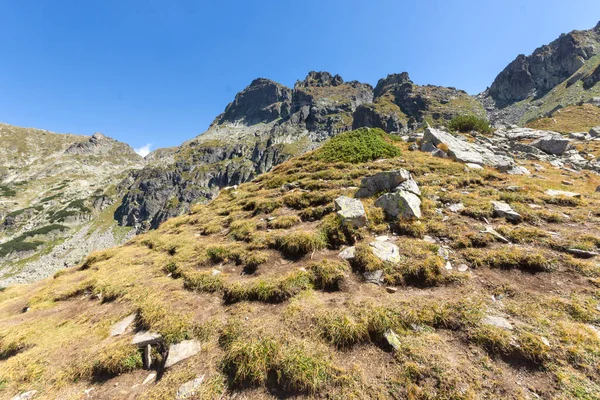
(267,123)
(56,196)
(562,73)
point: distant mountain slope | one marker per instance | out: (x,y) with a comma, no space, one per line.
(267,123)
(56,195)
(564,72)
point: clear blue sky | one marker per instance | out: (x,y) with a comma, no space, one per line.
(159,71)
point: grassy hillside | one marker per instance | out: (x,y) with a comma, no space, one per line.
(570,119)
(256,277)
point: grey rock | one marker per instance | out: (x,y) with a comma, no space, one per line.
(375,277)
(182,351)
(456,207)
(409,185)
(382,182)
(351,211)
(498,322)
(120,327)
(582,253)
(553,193)
(143,338)
(400,204)
(189,388)
(473,166)
(578,136)
(552,144)
(495,234)
(595,132)
(151,376)
(466,152)
(386,251)
(518,170)
(347,253)
(503,210)
(393,340)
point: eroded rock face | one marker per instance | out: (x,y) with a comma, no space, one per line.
(547,67)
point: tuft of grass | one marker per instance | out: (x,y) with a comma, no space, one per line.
(337,233)
(284,222)
(365,260)
(203,282)
(468,123)
(511,258)
(242,230)
(116,359)
(269,290)
(341,330)
(248,362)
(329,275)
(359,146)
(300,243)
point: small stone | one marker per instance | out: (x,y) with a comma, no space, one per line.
(351,211)
(456,207)
(374,277)
(473,166)
(390,289)
(429,239)
(347,253)
(382,238)
(392,339)
(567,183)
(499,322)
(503,210)
(552,192)
(495,234)
(189,388)
(448,266)
(181,351)
(534,206)
(149,378)
(120,327)
(144,338)
(386,251)
(147,356)
(518,170)
(216,272)
(545,341)
(463,268)
(444,253)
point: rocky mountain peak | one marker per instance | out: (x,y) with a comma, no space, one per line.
(548,66)
(320,79)
(392,80)
(262,101)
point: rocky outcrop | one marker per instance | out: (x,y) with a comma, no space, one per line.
(400,105)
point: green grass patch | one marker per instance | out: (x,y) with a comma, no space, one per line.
(359,146)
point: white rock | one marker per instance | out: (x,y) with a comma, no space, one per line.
(473,166)
(347,253)
(386,251)
(552,192)
(143,338)
(189,388)
(25,396)
(499,322)
(456,207)
(181,351)
(120,327)
(149,378)
(503,210)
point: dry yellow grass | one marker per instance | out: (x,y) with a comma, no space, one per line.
(303,322)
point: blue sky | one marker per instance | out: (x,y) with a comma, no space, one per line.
(158,72)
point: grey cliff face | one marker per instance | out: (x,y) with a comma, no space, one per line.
(548,66)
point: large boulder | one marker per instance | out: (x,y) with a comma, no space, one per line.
(401,203)
(463,151)
(552,144)
(351,211)
(382,182)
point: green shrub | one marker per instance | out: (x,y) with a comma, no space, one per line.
(468,123)
(359,146)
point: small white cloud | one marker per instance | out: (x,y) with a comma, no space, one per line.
(144,150)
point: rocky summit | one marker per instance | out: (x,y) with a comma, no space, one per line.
(331,240)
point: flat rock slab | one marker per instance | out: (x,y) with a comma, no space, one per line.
(120,327)
(553,193)
(144,338)
(375,277)
(181,351)
(582,253)
(149,378)
(351,211)
(189,388)
(386,251)
(466,152)
(392,339)
(498,322)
